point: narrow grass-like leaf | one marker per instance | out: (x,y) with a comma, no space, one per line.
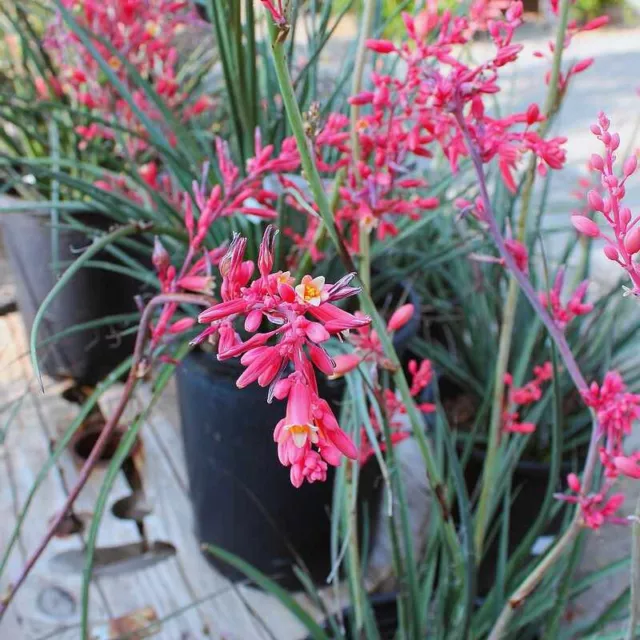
(315,630)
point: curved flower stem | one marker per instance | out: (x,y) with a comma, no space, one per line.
(552,101)
(530,583)
(320,197)
(135,374)
(519,596)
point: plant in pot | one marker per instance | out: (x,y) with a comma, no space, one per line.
(280,326)
(57,113)
(236,196)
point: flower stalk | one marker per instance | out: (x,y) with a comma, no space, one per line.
(506,332)
(526,588)
(313,177)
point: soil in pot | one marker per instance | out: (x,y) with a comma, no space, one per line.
(242,498)
(92,293)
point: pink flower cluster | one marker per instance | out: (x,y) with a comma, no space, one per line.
(304,316)
(437,83)
(624,241)
(529,394)
(142,32)
(235,195)
(564,314)
(573,29)
(616,410)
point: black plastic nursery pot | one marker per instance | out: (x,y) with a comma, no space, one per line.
(92,293)
(243,500)
(242,497)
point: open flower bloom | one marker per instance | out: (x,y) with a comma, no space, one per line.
(283,358)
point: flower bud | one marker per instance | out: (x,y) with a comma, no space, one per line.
(321,359)
(533,113)
(611,252)
(585,226)
(574,482)
(344,363)
(632,241)
(184,324)
(365,97)
(597,162)
(265,255)
(582,65)
(400,317)
(160,256)
(615,141)
(595,200)
(630,165)
(625,217)
(381,46)
(253,320)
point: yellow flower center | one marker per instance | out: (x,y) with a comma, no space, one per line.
(152,28)
(301,432)
(310,290)
(114,63)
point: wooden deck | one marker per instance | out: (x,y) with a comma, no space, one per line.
(182,597)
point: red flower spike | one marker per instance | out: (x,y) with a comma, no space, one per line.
(309,437)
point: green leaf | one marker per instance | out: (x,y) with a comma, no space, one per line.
(315,630)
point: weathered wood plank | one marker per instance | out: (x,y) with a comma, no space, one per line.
(164,436)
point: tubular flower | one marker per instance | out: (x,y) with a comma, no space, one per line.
(596,508)
(283,358)
(529,394)
(616,410)
(563,315)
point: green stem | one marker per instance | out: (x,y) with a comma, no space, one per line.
(320,197)
(365,257)
(306,263)
(551,106)
(353,549)
(506,333)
